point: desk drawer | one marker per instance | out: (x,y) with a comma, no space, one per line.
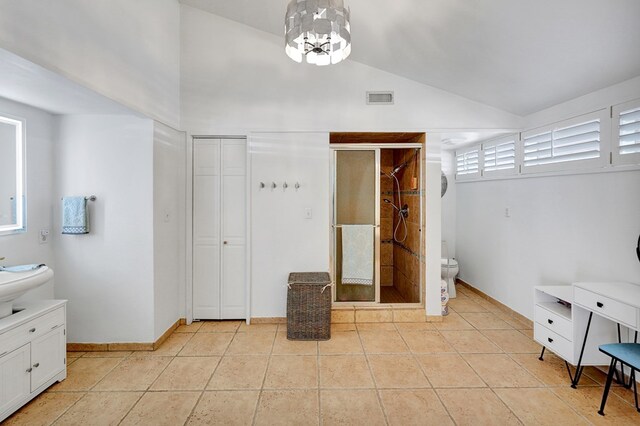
(554,322)
(617,311)
(554,342)
(31,330)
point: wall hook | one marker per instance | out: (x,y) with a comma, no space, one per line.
(261,185)
(297,186)
(285,186)
(274,185)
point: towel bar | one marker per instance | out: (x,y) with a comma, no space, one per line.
(89,198)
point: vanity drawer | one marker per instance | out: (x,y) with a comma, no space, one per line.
(31,330)
(554,322)
(617,311)
(554,342)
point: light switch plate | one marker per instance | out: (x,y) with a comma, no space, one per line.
(44,236)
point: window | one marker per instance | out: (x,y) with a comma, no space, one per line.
(578,141)
(499,156)
(467,164)
(626,120)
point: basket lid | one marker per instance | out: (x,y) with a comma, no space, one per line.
(320,278)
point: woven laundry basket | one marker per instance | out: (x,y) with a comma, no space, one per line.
(309,306)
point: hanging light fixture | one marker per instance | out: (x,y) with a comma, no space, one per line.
(317,31)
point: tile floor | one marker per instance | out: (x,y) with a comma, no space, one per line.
(478,367)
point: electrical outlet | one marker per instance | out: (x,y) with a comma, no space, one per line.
(44,236)
(507,212)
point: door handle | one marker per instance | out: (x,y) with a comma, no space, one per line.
(550,321)
(225,243)
(33,330)
(550,339)
(36,365)
(29,370)
(599,304)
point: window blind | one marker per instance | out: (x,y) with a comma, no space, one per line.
(629,132)
(499,156)
(573,143)
(467,163)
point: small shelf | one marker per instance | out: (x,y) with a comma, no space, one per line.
(557,308)
(562,292)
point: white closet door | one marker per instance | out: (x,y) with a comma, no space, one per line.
(233,287)
(206,228)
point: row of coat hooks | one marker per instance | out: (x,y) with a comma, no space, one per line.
(274,185)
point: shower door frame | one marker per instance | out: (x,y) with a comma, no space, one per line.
(376,147)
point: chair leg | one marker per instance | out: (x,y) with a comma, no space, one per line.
(635,388)
(612,369)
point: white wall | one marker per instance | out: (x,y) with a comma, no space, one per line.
(22,248)
(169,206)
(126,50)
(562,229)
(236,77)
(107,275)
(282,239)
(448,206)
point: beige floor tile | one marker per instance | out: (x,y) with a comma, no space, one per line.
(382,342)
(219,326)
(83,374)
(499,370)
(287,407)
(100,408)
(257,327)
(73,354)
(162,408)
(207,344)
(485,321)
(107,354)
(173,344)
(350,407)
(514,322)
(292,372)
(453,321)
(342,342)
(476,407)
(449,371)
(552,371)
(191,328)
(345,371)
(376,326)
(415,326)
(44,410)
(528,333)
(251,343)
(233,408)
(426,342)
(283,346)
(134,373)
(470,341)
(413,407)
(539,407)
(186,373)
(624,393)
(586,401)
(239,372)
(397,371)
(342,327)
(512,341)
(465,305)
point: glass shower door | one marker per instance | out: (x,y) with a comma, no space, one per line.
(356,231)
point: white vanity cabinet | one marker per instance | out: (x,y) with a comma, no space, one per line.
(32,352)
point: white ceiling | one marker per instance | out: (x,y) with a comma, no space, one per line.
(517,55)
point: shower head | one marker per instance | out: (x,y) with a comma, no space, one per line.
(388,201)
(398,168)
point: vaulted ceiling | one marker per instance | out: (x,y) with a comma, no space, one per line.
(517,55)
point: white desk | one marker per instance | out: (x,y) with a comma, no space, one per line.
(571,330)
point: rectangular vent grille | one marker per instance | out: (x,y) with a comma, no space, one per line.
(380,98)
(630,132)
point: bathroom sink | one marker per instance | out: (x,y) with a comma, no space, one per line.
(15,284)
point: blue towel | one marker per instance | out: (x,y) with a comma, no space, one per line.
(75,215)
(21,268)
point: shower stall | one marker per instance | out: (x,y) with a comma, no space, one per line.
(377,238)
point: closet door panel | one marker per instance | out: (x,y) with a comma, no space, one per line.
(206,282)
(234,288)
(233,209)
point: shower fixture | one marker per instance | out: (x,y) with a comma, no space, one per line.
(403,211)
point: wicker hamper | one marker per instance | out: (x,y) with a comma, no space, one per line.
(309,306)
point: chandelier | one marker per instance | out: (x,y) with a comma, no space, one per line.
(317,31)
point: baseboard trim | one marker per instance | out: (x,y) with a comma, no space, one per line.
(131,346)
(504,308)
(368,314)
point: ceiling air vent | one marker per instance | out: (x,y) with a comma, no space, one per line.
(380,98)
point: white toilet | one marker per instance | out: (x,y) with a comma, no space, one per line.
(448,270)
